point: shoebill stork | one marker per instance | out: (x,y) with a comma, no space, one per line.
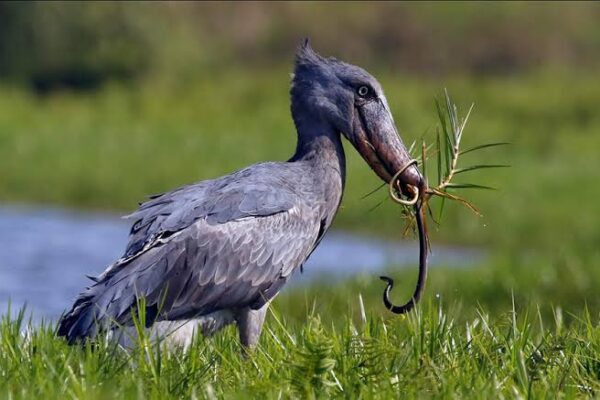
(218,251)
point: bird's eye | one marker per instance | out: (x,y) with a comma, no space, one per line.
(363,91)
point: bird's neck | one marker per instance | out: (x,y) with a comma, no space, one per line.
(320,145)
(318,141)
(320,149)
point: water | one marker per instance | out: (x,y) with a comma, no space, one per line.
(45,254)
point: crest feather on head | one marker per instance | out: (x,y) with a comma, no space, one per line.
(305,55)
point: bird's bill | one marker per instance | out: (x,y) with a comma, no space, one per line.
(376,138)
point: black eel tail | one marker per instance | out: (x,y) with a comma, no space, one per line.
(423,251)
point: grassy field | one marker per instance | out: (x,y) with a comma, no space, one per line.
(504,337)
(516,327)
(523,324)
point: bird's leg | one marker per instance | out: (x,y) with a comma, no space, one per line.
(250,323)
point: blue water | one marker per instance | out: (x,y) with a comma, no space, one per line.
(46,253)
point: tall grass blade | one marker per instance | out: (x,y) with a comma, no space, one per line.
(482,146)
(439,157)
(469,186)
(480,166)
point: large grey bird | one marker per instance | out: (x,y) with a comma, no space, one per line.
(218,251)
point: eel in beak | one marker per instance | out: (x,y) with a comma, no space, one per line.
(376,138)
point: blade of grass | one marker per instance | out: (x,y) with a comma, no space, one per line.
(374,191)
(480,166)
(464,122)
(451,112)
(448,150)
(441,212)
(482,146)
(468,186)
(424,159)
(439,157)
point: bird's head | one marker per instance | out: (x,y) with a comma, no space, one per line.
(351,101)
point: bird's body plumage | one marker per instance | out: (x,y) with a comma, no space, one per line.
(217,246)
(218,251)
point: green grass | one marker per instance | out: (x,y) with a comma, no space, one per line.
(435,352)
(517,327)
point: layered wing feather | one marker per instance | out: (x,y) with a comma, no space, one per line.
(260,190)
(206,247)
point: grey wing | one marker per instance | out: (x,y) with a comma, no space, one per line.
(253,191)
(200,269)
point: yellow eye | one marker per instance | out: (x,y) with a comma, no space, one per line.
(363,91)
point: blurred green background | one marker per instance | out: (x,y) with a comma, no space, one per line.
(104,103)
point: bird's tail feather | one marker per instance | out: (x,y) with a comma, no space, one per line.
(81,322)
(100,308)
